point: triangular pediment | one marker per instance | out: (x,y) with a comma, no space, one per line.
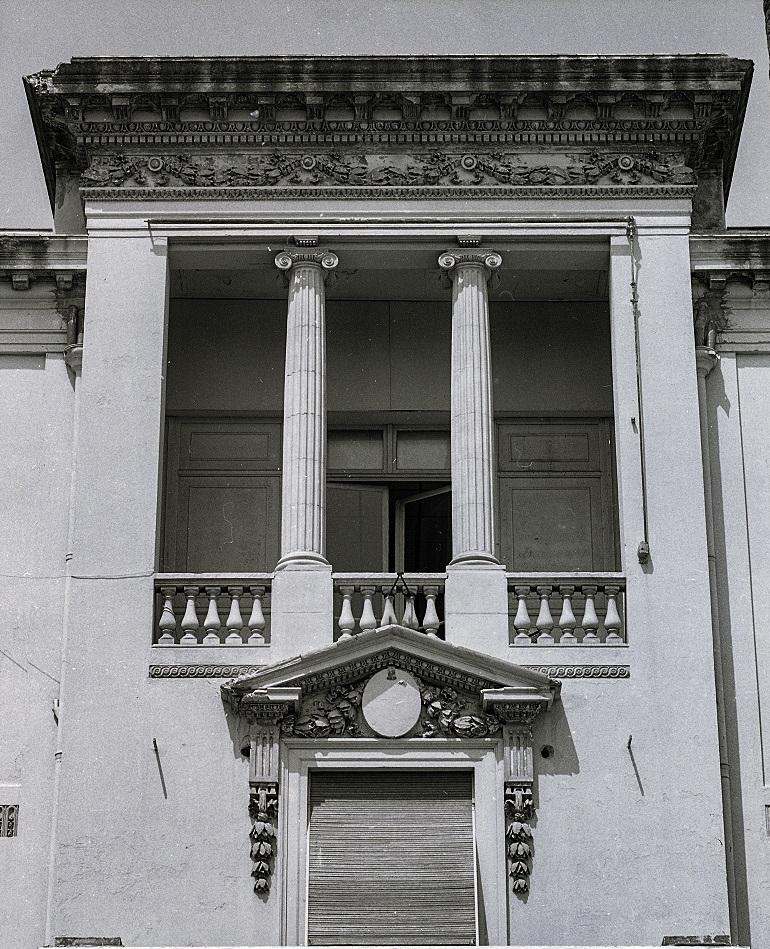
(463,693)
(434,660)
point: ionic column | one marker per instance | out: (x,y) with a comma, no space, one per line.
(473,534)
(303,532)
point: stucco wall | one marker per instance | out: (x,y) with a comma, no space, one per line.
(36,434)
(614,854)
(618,832)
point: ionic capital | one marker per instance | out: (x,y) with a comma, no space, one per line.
(452,261)
(324,260)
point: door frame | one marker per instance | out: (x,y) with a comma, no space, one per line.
(483,757)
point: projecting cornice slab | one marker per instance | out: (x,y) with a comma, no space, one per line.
(393,127)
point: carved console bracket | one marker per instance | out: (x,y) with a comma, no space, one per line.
(518,716)
(264,709)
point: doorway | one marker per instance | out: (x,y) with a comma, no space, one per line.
(390,526)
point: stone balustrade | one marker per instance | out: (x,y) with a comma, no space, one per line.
(364,601)
(567,609)
(194,609)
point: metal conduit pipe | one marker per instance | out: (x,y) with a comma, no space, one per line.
(705,360)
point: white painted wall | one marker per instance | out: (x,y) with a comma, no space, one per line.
(36,435)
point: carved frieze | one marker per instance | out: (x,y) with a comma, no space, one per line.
(279,171)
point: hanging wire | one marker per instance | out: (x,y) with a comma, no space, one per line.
(399,582)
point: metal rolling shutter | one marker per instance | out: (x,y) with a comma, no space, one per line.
(391,858)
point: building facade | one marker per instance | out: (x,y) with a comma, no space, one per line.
(388,467)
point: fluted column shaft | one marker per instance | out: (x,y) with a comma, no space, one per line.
(473,520)
(303,505)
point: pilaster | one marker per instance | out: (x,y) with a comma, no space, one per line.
(662,518)
(114,540)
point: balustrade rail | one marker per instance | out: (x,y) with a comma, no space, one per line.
(567,609)
(212,609)
(364,601)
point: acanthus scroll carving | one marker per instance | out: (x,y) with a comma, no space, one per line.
(445,714)
(335,715)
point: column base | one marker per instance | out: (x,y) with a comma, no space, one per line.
(474,558)
(302,560)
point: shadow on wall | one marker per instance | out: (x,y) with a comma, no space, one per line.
(553,747)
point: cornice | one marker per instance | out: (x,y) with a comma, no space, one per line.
(361,112)
(739,250)
(40,251)
(230,73)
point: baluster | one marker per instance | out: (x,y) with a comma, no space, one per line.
(431,622)
(612,622)
(167,622)
(522,621)
(347,622)
(257,618)
(544,621)
(234,622)
(367,620)
(388,613)
(590,622)
(410,617)
(212,624)
(190,623)
(567,620)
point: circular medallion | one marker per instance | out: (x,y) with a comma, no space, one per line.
(391,703)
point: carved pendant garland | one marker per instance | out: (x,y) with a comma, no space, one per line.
(519,810)
(263,810)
